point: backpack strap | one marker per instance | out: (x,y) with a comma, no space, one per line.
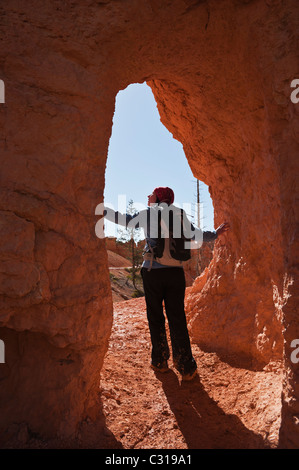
(152,255)
(149,256)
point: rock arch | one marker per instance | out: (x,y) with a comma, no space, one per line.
(221,75)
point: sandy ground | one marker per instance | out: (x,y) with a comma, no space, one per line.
(223,407)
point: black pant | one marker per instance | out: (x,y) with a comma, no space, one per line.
(168,284)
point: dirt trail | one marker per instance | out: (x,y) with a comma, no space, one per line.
(224,407)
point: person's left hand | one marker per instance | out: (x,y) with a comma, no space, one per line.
(222,228)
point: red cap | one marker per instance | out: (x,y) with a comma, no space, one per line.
(164,194)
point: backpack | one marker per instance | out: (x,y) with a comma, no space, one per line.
(170,249)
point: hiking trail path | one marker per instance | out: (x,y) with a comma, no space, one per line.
(223,407)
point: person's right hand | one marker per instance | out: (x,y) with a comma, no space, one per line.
(222,228)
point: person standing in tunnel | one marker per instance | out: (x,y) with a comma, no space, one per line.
(164,281)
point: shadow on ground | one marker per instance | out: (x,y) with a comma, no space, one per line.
(202,422)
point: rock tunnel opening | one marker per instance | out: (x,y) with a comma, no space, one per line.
(227,70)
(142,155)
(252,347)
(254,318)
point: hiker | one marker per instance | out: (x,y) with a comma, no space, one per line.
(164,280)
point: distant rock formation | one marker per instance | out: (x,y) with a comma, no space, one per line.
(118,248)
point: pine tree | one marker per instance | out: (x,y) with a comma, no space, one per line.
(132,236)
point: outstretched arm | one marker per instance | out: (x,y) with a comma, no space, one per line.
(137,220)
(208,236)
(117,217)
(222,228)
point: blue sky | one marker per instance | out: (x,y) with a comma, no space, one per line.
(143,155)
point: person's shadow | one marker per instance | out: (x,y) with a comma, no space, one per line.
(202,422)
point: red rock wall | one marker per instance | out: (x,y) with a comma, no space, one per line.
(122,248)
(221,74)
(115,247)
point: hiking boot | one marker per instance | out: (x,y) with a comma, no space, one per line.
(160,367)
(189,376)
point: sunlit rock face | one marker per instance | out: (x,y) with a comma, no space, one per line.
(221,74)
